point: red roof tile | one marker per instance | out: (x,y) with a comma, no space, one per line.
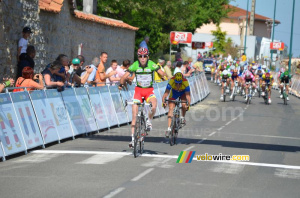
(103,20)
(56,5)
(51,5)
(237,12)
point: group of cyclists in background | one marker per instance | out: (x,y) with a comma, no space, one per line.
(237,78)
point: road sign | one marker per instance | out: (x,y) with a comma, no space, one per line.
(180,37)
(209,44)
(198,45)
(277,46)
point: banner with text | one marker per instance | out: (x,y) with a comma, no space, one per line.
(23,108)
(84,102)
(98,108)
(108,106)
(118,104)
(44,115)
(10,131)
(60,114)
(74,111)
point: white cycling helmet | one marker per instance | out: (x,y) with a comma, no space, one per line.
(232,67)
(264,67)
(225,72)
(254,67)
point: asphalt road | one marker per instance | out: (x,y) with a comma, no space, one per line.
(102,165)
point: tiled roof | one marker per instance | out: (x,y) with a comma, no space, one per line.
(51,5)
(103,20)
(56,5)
(237,12)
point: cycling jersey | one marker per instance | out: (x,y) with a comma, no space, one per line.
(176,93)
(234,75)
(144,75)
(285,79)
(267,80)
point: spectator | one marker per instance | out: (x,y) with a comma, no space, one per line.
(80,69)
(92,76)
(199,55)
(178,67)
(49,74)
(185,69)
(178,55)
(157,77)
(243,59)
(229,58)
(167,69)
(198,66)
(144,43)
(6,83)
(114,78)
(121,70)
(101,76)
(61,74)
(27,80)
(23,42)
(26,59)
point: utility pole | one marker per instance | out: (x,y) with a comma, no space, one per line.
(246,28)
(291,41)
(273,26)
(252,18)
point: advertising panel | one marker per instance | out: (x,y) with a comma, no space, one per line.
(10,131)
(118,104)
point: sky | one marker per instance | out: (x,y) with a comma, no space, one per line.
(284,9)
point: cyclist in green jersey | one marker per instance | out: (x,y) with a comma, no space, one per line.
(143,69)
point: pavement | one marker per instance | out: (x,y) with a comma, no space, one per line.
(102,165)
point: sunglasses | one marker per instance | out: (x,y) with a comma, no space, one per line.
(143,56)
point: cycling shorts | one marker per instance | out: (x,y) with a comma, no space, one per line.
(146,93)
(286,81)
(234,77)
(176,94)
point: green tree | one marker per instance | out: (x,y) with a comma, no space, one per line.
(157,18)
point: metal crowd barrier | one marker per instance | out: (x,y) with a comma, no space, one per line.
(34,119)
(295,87)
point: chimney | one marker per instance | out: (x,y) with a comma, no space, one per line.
(90,6)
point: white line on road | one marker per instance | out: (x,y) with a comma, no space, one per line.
(142,174)
(115,192)
(228,123)
(167,156)
(189,148)
(200,141)
(219,129)
(212,134)
(269,136)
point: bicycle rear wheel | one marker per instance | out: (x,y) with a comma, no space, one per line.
(284,98)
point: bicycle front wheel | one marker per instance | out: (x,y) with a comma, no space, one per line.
(172,135)
(137,134)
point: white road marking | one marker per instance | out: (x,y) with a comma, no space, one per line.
(142,174)
(228,123)
(200,141)
(228,168)
(101,159)
(159,162)
(167,156)
(115,192)
(286,173)
(269,136)
(219,129)
(37,158)
(212,134)
(189,148)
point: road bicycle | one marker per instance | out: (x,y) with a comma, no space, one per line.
(140,129)
(176,123)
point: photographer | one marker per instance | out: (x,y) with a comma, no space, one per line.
(27,80)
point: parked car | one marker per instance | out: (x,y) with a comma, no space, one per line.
(207,65)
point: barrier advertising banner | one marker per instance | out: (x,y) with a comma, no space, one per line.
(1,151)
(98,108)
(44,116)
(159,108)
(192,88)
(74,111)
(10,131)
(59,113)
(162,88)
(202,88)
(84,102)
(108,106)
(126,96)
(196,89)
(27,119)
(118,104)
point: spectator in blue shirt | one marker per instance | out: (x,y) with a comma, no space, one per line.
(144,43)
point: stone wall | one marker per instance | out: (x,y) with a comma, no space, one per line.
(56,33)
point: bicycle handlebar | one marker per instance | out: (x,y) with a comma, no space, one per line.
(176,101)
